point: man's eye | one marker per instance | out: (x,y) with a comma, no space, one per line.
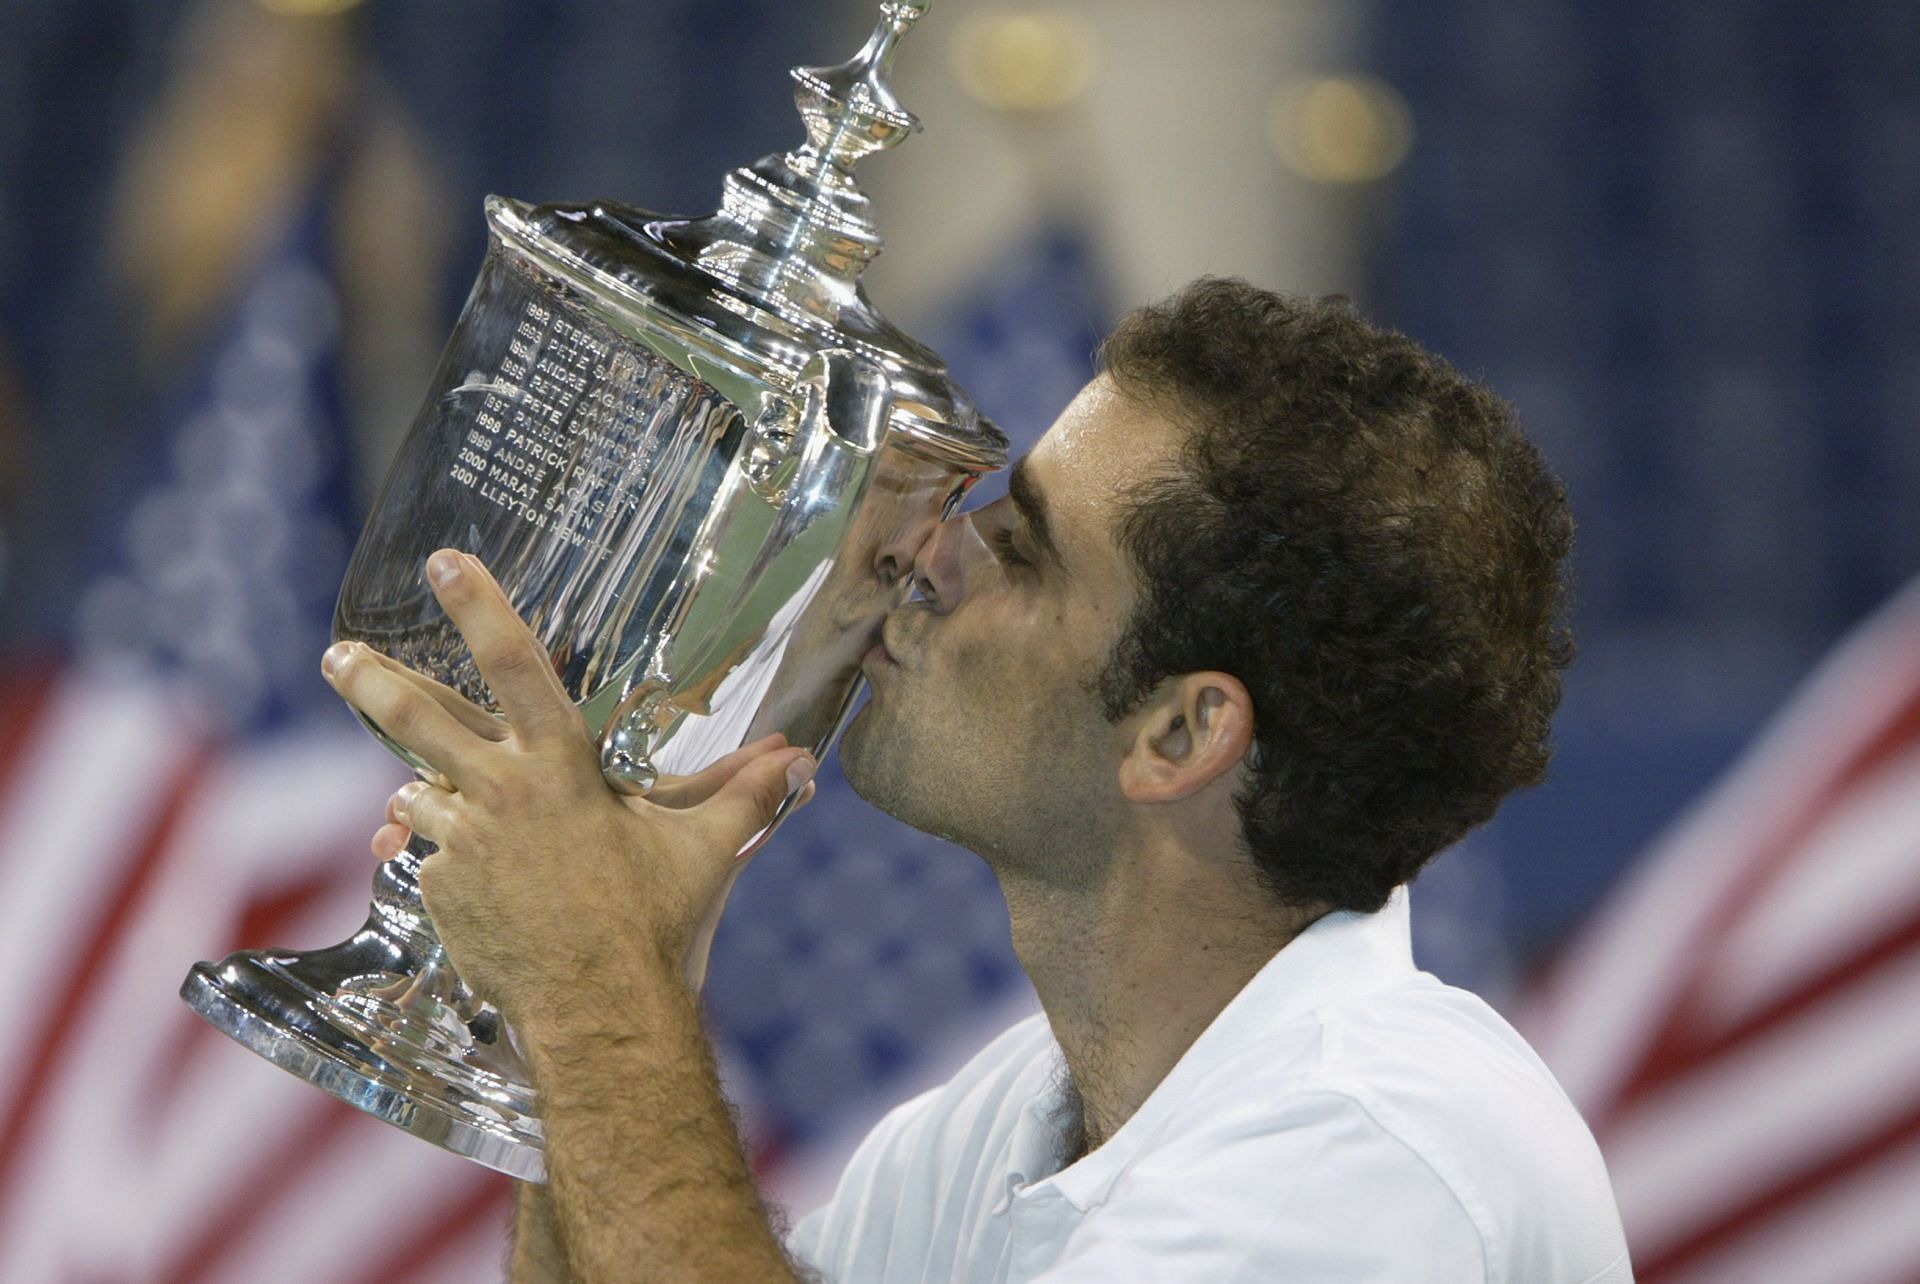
(1004,549)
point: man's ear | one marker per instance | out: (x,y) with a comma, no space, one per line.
(1196,728)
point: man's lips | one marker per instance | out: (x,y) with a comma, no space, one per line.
(877,654)
(881,652)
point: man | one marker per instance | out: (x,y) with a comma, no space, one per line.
(1268,618)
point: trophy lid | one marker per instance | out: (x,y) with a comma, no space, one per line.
(773,275)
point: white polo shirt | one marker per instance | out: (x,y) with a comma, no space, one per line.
(1345,1118)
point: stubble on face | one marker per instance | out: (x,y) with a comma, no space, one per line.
(989,732)
(982,762)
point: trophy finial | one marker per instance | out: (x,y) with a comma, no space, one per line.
(849,108)
(794,231)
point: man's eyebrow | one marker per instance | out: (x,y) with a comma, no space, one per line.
(1032,507)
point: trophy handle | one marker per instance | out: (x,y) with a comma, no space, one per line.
(806,467)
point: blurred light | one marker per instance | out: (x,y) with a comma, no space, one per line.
(307,8)
(1339,129)
(1024,60)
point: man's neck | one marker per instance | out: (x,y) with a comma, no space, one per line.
(1132,971)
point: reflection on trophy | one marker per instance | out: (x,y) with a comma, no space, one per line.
(700,463)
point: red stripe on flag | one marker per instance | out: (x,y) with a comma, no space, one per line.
(25,692)
(765,1156)
(264,922)
(1674,1050)
(83,983)
(488,1200)
(1778,1201)
(1892,947)
(265,1182)
(260,926)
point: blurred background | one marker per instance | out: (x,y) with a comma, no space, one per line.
(1679,236)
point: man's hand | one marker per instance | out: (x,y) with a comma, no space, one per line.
(584,916)
(550,891)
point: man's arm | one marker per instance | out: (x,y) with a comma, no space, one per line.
(591,1138)
(646,1168)
(577,913)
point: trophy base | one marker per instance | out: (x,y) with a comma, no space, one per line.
(393,1040)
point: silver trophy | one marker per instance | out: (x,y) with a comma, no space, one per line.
(700,463)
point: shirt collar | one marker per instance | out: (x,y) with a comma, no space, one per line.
(1341,954)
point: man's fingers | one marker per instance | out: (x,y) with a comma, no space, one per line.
(390,840)
(510,658)
(425,810)
(690,791)
(399,707)
(466,712)
(746,804)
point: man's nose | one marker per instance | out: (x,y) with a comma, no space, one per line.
(955,563)
(899,554)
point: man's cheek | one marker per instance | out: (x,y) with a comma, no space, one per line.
(961,655)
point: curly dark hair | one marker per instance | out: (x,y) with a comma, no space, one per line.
(1362,535)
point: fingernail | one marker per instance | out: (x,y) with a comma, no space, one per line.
(442,567)
(403,797)
(333,657)
(799,772)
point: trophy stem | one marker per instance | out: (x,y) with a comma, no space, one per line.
(396,895)
(383,1022)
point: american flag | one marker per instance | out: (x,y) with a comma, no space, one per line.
(174,787)
(1741,1022)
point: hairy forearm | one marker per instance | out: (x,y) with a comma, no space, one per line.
(647,1179)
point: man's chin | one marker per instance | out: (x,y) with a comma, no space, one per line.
(894,775)
(855,748)
(874,760)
